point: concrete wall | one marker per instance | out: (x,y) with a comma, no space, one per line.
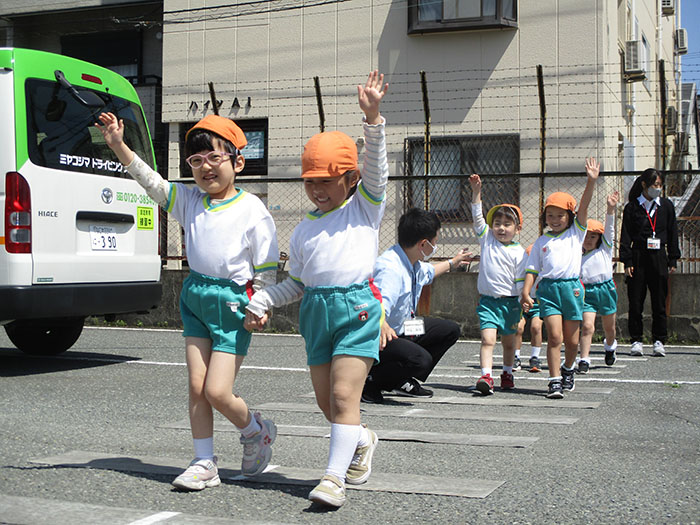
(453,296)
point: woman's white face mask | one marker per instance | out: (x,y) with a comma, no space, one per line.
(427,257)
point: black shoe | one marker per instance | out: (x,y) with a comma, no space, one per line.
(517,365)
(371,393)
(412,388)
(583,368)
(535,364)
(555,390)
(567,380)
(610,357)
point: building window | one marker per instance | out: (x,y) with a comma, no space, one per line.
(429,16)
(452,160)
(255,152)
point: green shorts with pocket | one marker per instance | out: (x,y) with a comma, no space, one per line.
(501,313)
(213,308)
(534,310)
(561,297)
(341,320)
(601,298)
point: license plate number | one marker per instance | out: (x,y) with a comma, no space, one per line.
(103,238)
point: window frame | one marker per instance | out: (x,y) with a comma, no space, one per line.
(498,21)
(466,144)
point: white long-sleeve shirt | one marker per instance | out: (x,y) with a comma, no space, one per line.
(337,248)
(502,266)
(597,265)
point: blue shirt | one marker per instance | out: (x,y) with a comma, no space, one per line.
(401,284)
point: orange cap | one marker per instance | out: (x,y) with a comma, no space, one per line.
(328,154)
(595,226)
(561,200)
(224,127)
(489,215)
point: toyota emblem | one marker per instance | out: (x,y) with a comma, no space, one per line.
(107,195)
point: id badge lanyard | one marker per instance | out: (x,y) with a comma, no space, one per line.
(652,243)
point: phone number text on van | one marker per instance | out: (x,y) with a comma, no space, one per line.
(134,197)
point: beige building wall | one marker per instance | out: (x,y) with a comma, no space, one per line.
(479,82)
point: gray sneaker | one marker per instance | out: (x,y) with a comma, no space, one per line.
(330,491)
(201,474)
(257,449)
(659,350)
(361,466)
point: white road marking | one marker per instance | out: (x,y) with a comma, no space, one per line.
(155,518)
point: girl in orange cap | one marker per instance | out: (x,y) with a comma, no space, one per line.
(332,254)
(601,294)
(222,277)
(556,259)
(501,276)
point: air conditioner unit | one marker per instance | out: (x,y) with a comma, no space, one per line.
(671,120)
(682,143)
(681,41)
(668,7)
(634,68)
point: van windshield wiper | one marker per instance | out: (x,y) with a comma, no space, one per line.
(93,100)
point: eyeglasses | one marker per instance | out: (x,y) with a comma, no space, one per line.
(213,158)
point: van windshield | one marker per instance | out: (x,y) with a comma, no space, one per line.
(61,130)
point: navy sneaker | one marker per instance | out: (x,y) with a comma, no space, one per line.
(567,380)
(555,389)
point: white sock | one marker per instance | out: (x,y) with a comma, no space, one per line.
(517,353)
(363,439)
(486,371)
(586,359)
(557,378)
(535,351)
(344,440)
(251,428)
(566,368)
(508,369)
(204,448)
(610,348)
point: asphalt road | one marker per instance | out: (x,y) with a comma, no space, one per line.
(631,453)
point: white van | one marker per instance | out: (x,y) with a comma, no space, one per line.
(78,237)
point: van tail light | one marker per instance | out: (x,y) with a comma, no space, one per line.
(18,214)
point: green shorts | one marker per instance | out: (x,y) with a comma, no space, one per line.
(214,308)
(501,313)
(601,298)
(337,320)
(561,297)
(534,310)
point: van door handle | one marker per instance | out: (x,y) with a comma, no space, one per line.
(104,216)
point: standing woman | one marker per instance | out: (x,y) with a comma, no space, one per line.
(649,250)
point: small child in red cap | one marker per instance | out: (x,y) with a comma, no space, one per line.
(222,277)
(556,259)
(601,294)
(501,276)
(332,254)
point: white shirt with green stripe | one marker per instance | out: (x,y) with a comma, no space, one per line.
(337,248)
(501,266)
(558,255)
(232,239)
(597,265)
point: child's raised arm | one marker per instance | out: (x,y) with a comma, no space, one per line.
(370,96)
(112,130)
(592,171)
(475,183)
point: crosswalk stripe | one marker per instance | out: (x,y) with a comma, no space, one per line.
(431,414)
(442,438)
(155,518)
(379,481)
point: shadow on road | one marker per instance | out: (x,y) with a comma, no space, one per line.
(14,363)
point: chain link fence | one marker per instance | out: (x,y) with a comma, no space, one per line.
(446,191)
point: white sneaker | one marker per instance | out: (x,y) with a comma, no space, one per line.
(637,348)
(659,350)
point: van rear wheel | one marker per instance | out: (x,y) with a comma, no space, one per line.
(45,336)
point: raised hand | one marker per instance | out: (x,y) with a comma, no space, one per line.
(592,168)
(613,199)
(370,96)
(112,129)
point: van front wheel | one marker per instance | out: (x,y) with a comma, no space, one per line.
(45,336)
